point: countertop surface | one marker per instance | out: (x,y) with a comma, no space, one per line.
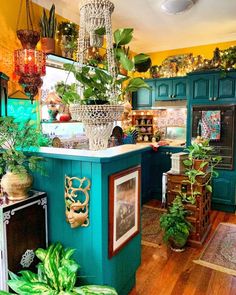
(94,156)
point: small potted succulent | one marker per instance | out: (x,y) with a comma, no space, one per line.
(48,27)
(175,225)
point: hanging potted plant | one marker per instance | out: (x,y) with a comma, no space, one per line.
(68,34)
(100,101)
(48,27)
(16,139)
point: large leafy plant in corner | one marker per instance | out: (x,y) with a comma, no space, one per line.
(98,85)
(16,140)
(57,274)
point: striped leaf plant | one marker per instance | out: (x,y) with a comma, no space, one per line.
(57,274)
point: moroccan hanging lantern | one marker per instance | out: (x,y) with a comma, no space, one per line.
(29,63)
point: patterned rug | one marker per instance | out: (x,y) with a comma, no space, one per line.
(220,251)
(151,231)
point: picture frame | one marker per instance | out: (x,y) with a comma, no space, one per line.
(124,208)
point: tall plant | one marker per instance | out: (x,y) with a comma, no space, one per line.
(48,25)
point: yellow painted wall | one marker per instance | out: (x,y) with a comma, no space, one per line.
(9,11)
(205,50)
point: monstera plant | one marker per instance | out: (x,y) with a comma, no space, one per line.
(57,274)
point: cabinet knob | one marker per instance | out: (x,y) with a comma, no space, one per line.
(214,98)
(210,98)
(170,95)
(174,95)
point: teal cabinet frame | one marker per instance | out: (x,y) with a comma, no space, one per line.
(215,88)
(143,98)
(171,89)
(91,243)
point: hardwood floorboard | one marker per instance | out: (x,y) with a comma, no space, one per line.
(164,272)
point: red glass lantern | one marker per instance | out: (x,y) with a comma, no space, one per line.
(29,63)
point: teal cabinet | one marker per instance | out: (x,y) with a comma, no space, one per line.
(224,88)
(91,243)
(171,89)
(224,190)
(213,87)
(154,164)
(143,98)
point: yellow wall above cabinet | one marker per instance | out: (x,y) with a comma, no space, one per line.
(205,50)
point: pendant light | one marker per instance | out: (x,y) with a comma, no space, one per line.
(29,63)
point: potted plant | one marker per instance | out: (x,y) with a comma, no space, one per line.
(68,34)
(57,274)
(199,153)
(16,139)
(48,27)
(175,225)
(201,162)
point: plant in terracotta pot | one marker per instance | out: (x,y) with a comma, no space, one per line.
(175,225)
(48,27)
(16,139)
(199,153)
(57,274)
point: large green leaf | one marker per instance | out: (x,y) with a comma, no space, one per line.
(140,58)
(124,60)
(97,289)
(136,84)
(123,36)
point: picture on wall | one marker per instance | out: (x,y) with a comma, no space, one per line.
(124,208)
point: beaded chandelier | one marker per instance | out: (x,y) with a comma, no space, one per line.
(94,15)
(29,63)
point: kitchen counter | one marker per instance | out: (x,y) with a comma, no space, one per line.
(92,241)
(94,156)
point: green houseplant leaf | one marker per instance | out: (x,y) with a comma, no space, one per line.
(57,275)
(123,36)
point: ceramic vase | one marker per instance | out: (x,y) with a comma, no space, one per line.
(16,185)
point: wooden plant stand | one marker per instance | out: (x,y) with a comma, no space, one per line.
(199,212)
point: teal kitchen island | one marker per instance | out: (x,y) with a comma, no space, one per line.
(91,242)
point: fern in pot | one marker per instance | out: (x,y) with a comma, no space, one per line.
(16,141)
(175,225)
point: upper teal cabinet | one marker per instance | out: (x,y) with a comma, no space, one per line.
(171,89)
(143,98)
(212,87)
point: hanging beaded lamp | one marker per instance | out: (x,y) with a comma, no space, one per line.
(94,15)
(29,63)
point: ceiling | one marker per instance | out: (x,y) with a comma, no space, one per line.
(208,21)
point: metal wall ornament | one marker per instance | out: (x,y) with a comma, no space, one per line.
(77,201)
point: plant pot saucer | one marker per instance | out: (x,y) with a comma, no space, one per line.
(175,249)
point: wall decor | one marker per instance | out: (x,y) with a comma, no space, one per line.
(76,201)
(124,208)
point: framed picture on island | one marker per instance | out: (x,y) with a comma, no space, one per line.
(124,208)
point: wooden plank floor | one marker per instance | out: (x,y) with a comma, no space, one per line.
(164,272)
